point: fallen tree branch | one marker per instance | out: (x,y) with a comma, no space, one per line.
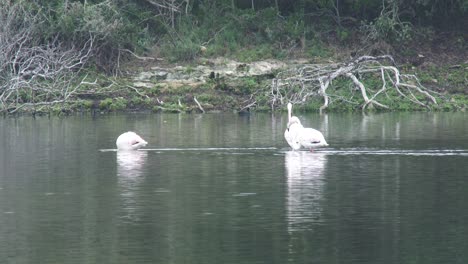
(138,92)
(300,83)
(248,106)
(199,105)
(363,92)
(37,74)
(140,57)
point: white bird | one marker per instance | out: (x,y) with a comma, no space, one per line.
(298,136)
(130,141)
(291,134)
(311,138)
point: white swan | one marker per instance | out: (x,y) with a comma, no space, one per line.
(297,135)
(291,134)
(130,141)
(311,138)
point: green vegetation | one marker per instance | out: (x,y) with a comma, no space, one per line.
(99,37)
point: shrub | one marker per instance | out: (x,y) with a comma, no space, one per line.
(388,27)
(113,104)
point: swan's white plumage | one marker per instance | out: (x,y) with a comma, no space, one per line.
(130,141)
(291,134)
(311,138)
(297,136)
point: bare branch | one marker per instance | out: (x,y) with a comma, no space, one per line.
(296,85)
(139,57)
(138,92)
(33,74)
(199,105)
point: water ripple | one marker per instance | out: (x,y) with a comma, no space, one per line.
(325,151)
(401,152)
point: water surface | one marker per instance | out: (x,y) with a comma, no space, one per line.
(225,188)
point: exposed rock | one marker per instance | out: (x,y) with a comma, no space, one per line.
(207,69)
(139,84)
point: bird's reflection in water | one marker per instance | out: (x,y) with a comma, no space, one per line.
(130,166)
(130,163)
(305,181)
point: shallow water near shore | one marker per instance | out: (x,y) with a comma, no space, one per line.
(225,188)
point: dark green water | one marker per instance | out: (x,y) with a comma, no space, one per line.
(224,188)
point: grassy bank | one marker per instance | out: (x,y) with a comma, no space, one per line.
(81,57)
(254,94)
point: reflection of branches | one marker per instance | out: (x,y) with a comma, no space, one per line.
(298,84)
(36,74)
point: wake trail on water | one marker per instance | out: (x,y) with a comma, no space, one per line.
(196,149)
(401,152)
(323,151)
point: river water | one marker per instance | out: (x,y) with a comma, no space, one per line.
(225,188)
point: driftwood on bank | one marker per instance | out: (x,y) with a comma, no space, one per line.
(34,74)
(299,84)
(42,75)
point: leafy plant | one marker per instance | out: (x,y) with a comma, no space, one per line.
(388,26)
(115,104)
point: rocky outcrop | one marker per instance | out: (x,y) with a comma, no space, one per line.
(204,71)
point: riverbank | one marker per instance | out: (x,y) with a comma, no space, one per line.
(207,84)
(222,84)
(102,57)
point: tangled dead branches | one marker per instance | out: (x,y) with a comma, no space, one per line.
(34,74)
(41,75)
(299,84)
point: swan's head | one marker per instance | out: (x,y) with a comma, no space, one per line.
(130,141)
(294,120)
(289,106)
